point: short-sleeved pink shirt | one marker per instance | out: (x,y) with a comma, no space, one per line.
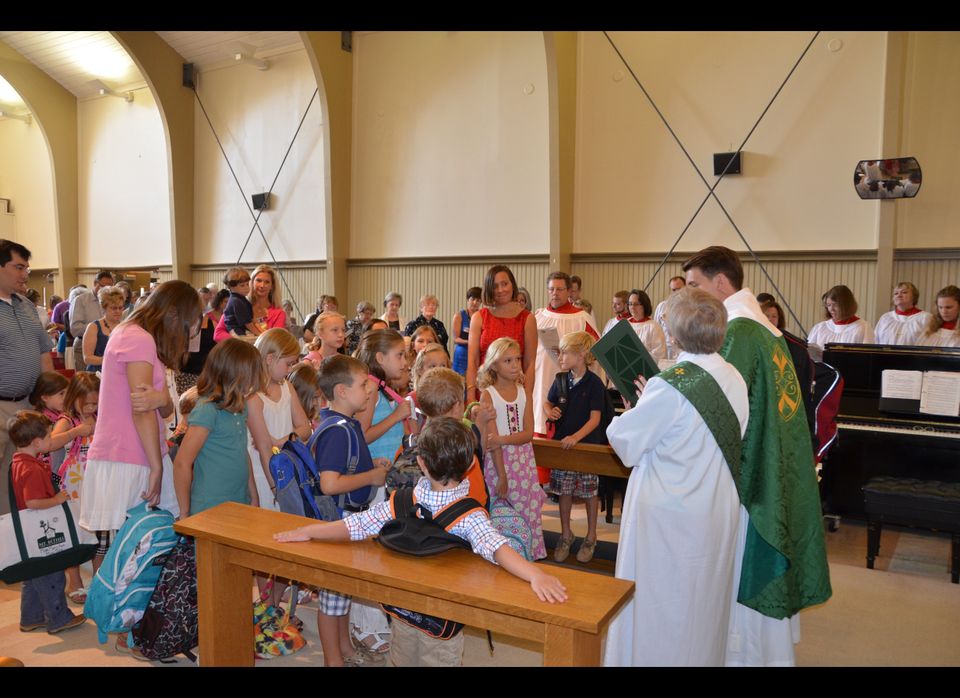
(116,438)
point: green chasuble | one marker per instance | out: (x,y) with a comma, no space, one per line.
(785,560)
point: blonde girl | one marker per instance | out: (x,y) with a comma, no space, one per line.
(509,466)
(212,464)
(79,416)
(432,356)
(274,413)
(329,334)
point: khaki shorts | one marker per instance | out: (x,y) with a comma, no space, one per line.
(412,647)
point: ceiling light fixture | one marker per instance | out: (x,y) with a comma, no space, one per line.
(25,118)
(244,53)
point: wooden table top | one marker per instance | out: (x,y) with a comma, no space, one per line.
(456,575)
(584,458)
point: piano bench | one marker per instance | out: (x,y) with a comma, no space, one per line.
(919,503)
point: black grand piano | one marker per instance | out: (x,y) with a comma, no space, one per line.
(887,437)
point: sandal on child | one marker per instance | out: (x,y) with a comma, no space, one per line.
(360,658)
(374,643)
(78,596)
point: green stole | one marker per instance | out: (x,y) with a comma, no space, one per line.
(703,392)
(784,566)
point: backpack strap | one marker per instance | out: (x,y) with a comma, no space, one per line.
(353,449)
(403,503)
(450,515)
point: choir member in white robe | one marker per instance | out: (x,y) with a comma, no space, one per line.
(619,306)
(942,331)
(647,329)
(842,324)
(678,530)
(562,316)
(906,323)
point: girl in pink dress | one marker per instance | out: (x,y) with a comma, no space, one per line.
(509,467)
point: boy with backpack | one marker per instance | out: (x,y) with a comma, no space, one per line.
(344,382)
(446,451)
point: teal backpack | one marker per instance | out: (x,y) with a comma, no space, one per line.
(121,588)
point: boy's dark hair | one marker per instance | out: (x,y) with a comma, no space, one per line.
(8,247)
(48,383)
(474,292)
(26,426)
(102,274)
(447,449)
(336,370)
(717,260)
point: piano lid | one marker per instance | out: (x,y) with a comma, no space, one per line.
(861,366)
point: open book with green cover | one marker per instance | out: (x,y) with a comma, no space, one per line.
(623,356)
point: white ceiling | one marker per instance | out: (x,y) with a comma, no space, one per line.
(75,59)
(208,50)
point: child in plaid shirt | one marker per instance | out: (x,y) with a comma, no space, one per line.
(446,452)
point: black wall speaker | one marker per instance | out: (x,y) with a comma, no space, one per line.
(720,161)
(188,76)
(261,202)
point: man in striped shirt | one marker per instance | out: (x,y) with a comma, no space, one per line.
(24,350)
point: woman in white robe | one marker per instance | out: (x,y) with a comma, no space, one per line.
(842,325)
(906,323)
(681,513)
(942,330)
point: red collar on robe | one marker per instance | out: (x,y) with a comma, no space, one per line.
(567,308)
(625,315)
(848,321)
(949,325)
(913,311)
(637,322)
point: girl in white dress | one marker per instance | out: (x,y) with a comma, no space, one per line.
(641,320)
(942,328)
(906,323)
(274,415)
(842,325)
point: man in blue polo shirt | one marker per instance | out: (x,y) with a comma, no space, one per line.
(24,350)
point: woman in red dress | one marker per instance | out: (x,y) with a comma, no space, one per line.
(501,316)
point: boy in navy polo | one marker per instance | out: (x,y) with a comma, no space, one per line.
(344,382)
(578,420)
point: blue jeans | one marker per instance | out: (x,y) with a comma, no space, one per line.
(42,601)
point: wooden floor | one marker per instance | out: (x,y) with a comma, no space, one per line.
(903,613)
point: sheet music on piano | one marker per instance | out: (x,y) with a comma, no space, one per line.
(920,392)
(940,393)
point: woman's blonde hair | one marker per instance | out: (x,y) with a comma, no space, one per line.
(487,376)
(418,363)
(168,315)
(318,325)
(279,341)
(111,294)
(275,297)
(581,343)
(233,371)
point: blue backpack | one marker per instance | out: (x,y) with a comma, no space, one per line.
(121,588)
(294,470)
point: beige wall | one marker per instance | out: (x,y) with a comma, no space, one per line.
(26,179)
(635,188)
(451,154)
(931,133)
(256,114)
(124,196)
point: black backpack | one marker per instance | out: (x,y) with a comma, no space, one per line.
(410,534)
(169,626)
(415,531)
